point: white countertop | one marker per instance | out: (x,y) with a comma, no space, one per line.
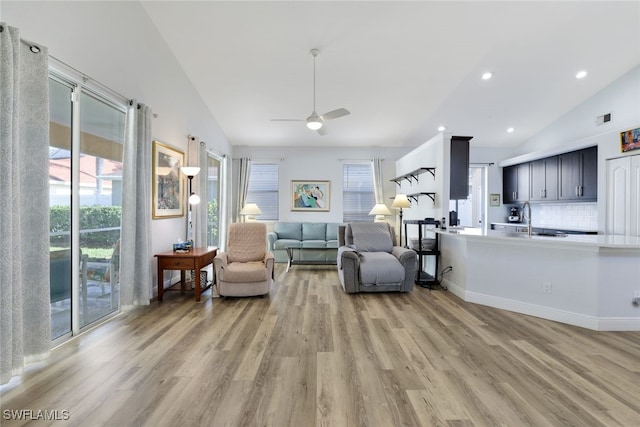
(548,227)
(585,240)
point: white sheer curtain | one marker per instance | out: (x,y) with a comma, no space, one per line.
(25,322)
(202,187)
(376,164)
(135,236)
(243,167)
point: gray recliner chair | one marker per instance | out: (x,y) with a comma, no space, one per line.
(369,262)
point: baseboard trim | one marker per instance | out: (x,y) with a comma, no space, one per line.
(570,318)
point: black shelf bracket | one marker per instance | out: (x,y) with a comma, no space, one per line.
(414,196)
(413,175)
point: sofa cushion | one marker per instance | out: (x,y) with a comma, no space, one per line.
(332,243)
(332,231)
(314,231)
(371,237)
(314,244)
(288,230)
(380,268)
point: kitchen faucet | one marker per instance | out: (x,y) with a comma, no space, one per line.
(528,206)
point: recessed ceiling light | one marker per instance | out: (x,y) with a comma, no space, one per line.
(441,128)
(581,74)
(510,130)
(487,76)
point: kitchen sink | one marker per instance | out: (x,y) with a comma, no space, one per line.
(550,234)
(541,234)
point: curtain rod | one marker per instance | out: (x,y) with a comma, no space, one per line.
(86,78)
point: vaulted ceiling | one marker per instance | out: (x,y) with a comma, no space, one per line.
(401,68)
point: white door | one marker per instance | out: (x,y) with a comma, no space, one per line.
(635,196)
(623,196)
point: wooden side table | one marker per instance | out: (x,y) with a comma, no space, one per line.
(195,259)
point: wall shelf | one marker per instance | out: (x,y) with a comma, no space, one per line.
(413,175)
(415,196)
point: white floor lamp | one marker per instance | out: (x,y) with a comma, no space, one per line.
(193,198)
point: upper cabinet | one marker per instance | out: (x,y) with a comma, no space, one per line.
(578,175)
(567,177)
(515,183)
(459,168)
(544,179)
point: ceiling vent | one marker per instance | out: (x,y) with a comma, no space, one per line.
(605,118)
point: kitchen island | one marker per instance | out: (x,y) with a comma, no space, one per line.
(583,280)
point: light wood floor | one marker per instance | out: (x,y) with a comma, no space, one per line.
(312,355)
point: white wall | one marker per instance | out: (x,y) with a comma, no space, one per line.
(322,164)
(432,154)
(621,99)
(117,45)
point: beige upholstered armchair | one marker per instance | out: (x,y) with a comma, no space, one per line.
(246,269)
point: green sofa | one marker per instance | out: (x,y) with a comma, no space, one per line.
(307,235)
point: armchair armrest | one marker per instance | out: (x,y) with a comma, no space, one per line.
(269,261)
(219,263)
(349,269)
(409,260)
(403,254)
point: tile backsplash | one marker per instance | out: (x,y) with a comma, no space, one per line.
(578,216)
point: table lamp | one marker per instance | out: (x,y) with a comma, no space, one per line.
(249,211)
(380,210)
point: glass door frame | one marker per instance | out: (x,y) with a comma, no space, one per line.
(79,83)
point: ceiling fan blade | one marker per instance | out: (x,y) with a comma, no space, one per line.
(322,131)
(335,114)
(288,120)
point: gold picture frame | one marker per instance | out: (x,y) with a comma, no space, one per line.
(168,183)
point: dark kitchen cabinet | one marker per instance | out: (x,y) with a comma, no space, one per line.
(578,175)
(515,183)
(544,179)
(459,168)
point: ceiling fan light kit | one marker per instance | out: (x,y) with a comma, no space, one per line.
(314,121)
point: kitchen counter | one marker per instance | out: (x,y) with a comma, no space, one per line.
(524,224)
(586,240)
(579,279)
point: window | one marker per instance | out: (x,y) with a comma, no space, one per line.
(357,192)
(214,175)
(263,190)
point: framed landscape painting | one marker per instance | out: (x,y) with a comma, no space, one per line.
(310,196)
(168,188)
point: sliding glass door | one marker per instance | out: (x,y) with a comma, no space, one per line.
(85,192)
(100,205)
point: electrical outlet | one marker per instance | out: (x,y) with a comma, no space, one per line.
(546,288)
(636,294)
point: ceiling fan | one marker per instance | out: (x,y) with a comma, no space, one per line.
(315,121)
